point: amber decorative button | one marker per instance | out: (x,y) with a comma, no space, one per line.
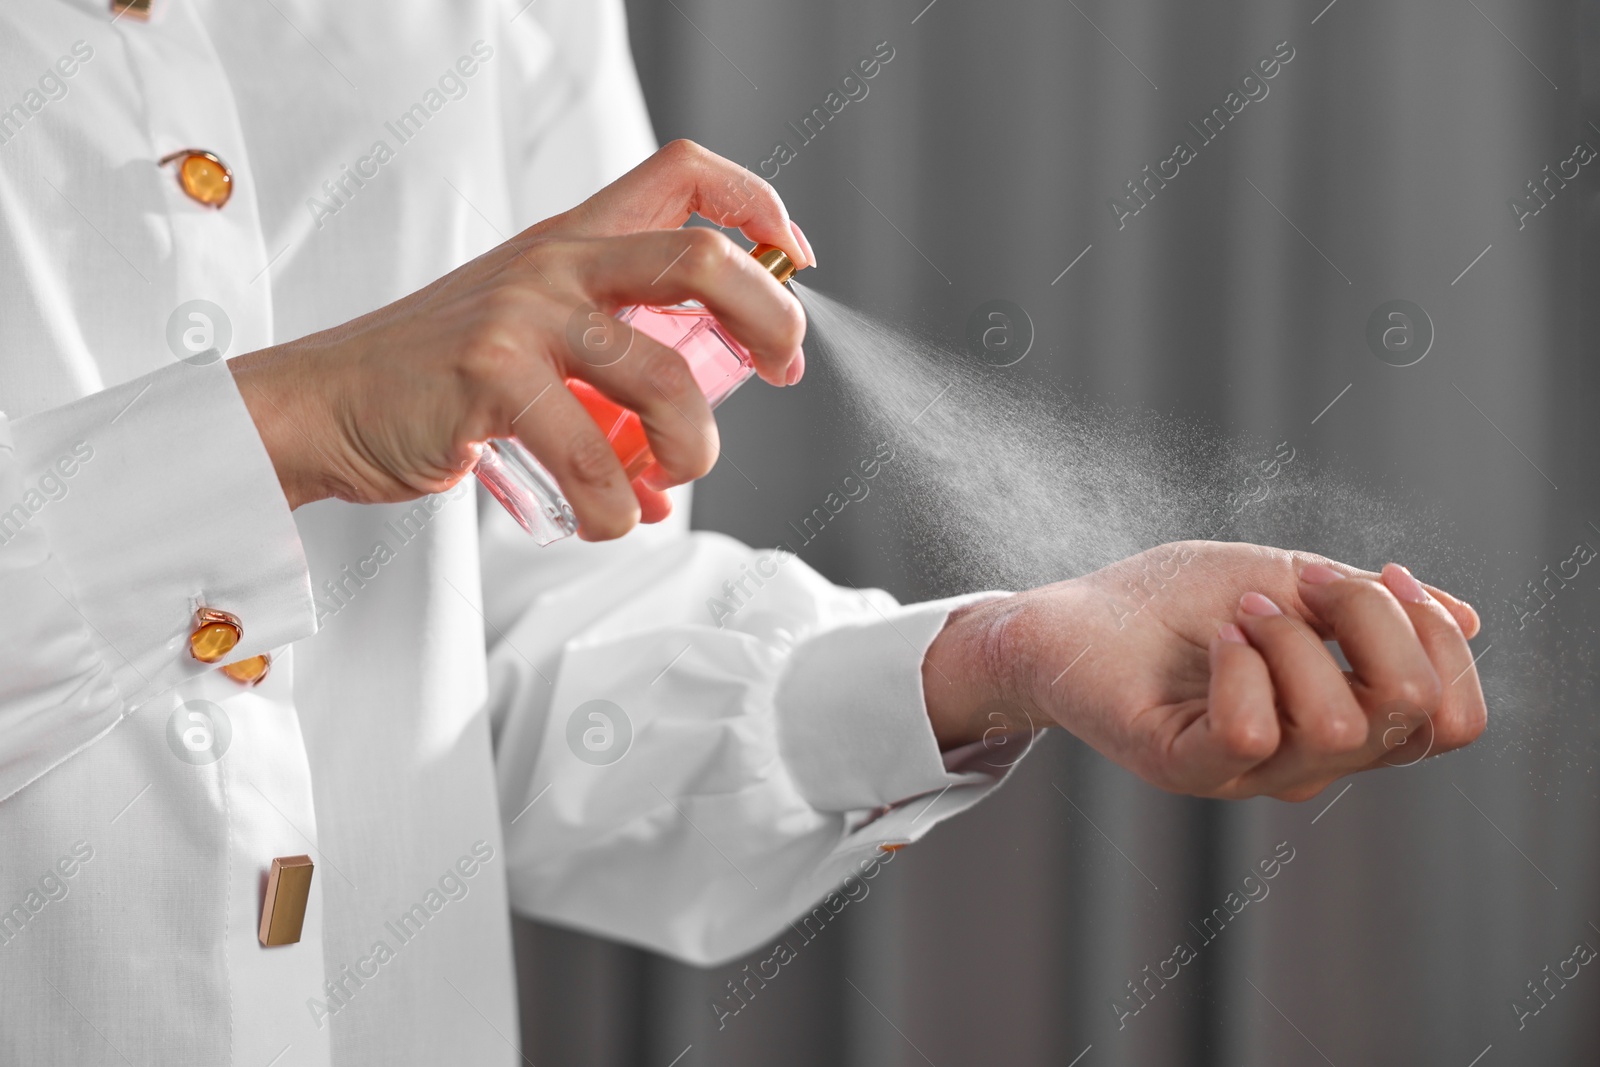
(215,634)
(283,911)
(205,178)
(249,671)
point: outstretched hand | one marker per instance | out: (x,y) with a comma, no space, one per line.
(1201,667)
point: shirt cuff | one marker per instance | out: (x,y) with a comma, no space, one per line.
(157,497)
(852,721)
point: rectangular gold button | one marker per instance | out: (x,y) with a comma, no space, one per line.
(284,910)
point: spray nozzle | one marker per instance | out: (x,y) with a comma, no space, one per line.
(775,260)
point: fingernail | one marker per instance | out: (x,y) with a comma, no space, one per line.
(1229,632)
(797,370)
(805,245)
(1404,585)
(1317,574)
(1256,604)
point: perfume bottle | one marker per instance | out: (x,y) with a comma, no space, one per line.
(719,363)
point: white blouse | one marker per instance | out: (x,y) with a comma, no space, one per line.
(457,722)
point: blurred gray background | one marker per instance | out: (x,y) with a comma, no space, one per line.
(1380,166)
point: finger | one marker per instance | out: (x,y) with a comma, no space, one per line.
(668,267)
(1463,612)
(805,242)
(1324,729)
(1394,678)
(1240,726)
(654,505)
(1461,714)
(684,179)
(656,383)
(561,434)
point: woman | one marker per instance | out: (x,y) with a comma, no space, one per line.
(214,674)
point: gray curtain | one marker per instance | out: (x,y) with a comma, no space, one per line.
(1388,156)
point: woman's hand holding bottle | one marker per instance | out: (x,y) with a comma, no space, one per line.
(397,404)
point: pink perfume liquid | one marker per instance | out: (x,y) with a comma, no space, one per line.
(528,491)
(719,363)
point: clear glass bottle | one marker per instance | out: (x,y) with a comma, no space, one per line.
(720,365)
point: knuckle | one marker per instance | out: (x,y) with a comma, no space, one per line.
(1334,732)
(491,356)
(1355,599)
(1248,740)
(706,460)
(682,150)
(753,186)
(687,459)
(591,462)
(709,253)
(1420,694)
(693,462)
(1460,727)
(742,190)
(669,375)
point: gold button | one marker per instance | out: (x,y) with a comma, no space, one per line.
(283,911)
(215,634)
(139,9)
(205,178)
(249,671)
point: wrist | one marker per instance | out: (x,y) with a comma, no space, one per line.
(265,381)
(970,677)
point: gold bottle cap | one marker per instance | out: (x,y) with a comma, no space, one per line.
(775,260)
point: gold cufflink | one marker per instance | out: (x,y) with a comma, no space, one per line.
(283,911)
(139,9)
(214,635)
(250,671)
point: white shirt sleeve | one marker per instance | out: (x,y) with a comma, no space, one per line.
(688,779)
(120,514)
